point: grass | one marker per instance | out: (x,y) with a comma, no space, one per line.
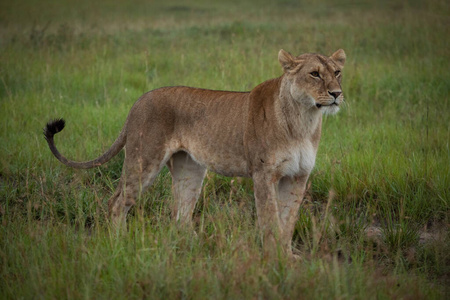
(374,223)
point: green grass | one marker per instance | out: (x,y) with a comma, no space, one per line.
(382,166)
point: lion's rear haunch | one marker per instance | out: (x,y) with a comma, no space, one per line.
(53,127)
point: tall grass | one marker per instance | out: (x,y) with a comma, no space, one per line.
(374,223)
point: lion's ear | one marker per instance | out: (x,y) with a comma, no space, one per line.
(286,60)
(339,57)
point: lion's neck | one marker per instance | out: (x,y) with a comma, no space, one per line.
(300,121)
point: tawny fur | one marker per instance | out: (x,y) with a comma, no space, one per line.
(270,134)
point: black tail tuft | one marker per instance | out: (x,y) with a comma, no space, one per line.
(53,127)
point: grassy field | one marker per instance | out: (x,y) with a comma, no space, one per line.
(375,221)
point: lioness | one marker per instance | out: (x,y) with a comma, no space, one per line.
(270,134)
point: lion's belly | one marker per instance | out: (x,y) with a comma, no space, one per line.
(227,161)
(225,165)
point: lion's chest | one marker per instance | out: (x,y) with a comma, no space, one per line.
(296,159)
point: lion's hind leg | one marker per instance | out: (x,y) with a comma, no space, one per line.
(187,179)
(137,176)
(120,203)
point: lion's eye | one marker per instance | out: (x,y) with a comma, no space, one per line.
(315,74)
(337,73)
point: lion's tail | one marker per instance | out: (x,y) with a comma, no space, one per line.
(57,125)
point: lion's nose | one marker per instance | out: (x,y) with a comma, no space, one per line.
(335,94)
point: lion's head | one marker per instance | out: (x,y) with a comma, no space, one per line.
(314,80)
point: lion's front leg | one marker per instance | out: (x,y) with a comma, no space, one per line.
(290,195)
(267,211)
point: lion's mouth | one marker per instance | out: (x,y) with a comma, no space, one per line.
(318,105)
